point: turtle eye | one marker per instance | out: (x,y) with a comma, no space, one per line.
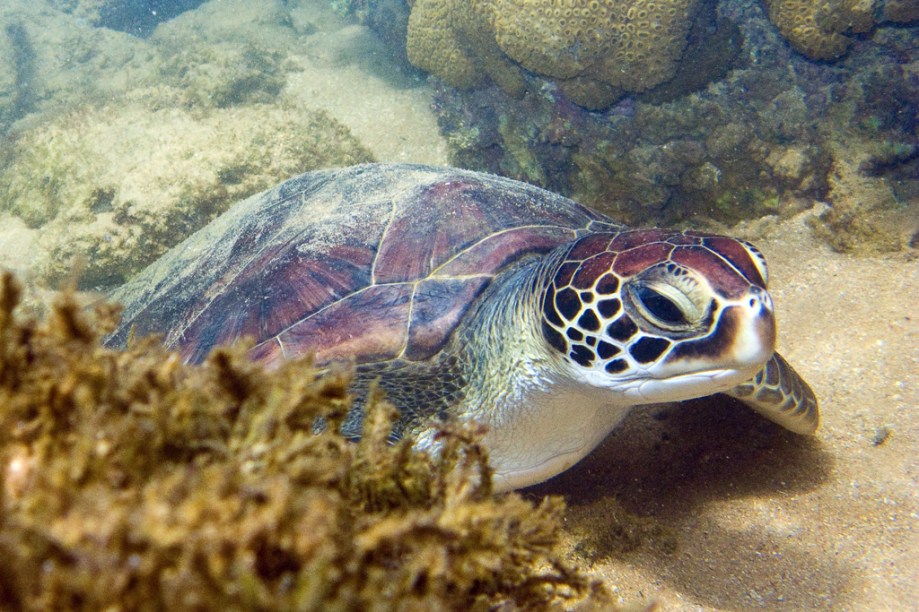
(659,308)
(669,298)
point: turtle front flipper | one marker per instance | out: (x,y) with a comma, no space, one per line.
(778,393)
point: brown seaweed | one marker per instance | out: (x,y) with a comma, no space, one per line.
(133,481)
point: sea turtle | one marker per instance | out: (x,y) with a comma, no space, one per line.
(476,297)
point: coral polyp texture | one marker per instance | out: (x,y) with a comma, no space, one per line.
(596,49)
(818,29)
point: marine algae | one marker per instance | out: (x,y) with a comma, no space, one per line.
(132,481)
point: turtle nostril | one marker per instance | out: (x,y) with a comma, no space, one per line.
(761,305)
(760,302)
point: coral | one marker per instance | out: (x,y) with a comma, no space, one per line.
(901,11)
(595,47)
(756,136)
(819,29)
(865,216)
(433,42)
(131,481)
(453,40)
(649,38)
(117,185)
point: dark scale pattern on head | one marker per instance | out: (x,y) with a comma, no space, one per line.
(608,308)
(589,321)
(648,349)
(565,272)
(568,303)
(641,257)
(582,355)
(622,329)
(738,256)
(548,308)
(723,276)
(592,269)
(607,350)
(555,339)
(608,284)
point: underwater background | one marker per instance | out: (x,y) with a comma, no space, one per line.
(127,125)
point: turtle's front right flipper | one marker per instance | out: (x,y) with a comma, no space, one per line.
(778,393)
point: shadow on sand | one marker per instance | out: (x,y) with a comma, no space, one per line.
(670,469)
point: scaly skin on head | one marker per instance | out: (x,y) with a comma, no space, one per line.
(561,347)
(661,307)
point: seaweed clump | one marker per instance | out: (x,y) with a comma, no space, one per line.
(132,481)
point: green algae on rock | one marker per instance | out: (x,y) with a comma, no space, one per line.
(118,184)
(50,60)
(131,480)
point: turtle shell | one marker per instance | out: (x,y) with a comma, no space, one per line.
(368,263)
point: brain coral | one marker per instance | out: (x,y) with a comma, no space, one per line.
(452,39)
(594,46)
(818,28)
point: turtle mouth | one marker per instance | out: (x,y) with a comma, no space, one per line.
(651,388)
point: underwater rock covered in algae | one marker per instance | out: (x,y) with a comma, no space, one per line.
(50,60)
(595,49)
(754,140)
(131,481)
(118,184)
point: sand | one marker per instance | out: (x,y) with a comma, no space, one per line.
(389,115)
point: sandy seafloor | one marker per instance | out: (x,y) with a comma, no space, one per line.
(760,518)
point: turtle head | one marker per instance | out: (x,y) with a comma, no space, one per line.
(657,315)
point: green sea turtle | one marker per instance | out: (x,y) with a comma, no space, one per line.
(475,297)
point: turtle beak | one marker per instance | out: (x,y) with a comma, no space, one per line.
(755,330)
